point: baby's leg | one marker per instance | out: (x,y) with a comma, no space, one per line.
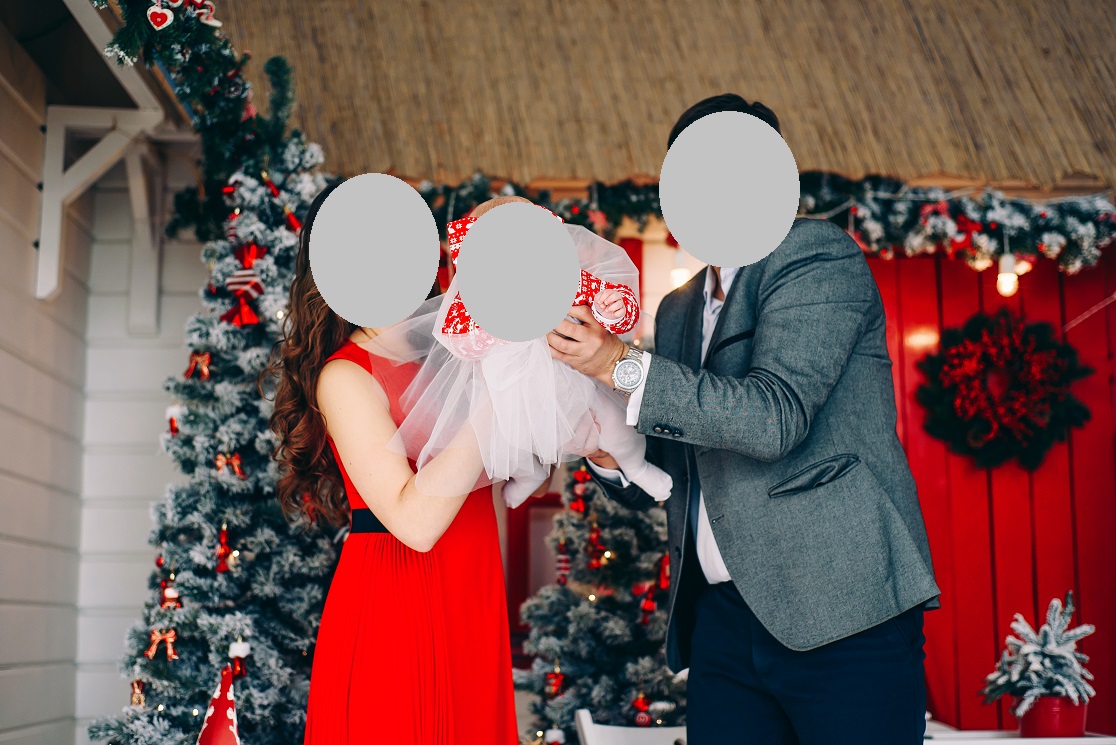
(628,446)
(516,491)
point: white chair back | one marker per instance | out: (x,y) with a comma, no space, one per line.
(591,733)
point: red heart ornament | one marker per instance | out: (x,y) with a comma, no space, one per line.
(159,18)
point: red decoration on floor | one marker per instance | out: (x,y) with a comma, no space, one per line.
(158,636)
(219,727)
(198,361)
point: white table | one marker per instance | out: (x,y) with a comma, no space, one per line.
(983,737)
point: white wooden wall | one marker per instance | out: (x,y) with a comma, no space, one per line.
(42,371)
(124,470)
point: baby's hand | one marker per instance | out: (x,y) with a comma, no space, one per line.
(610,304)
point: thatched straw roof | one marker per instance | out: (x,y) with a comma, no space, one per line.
(1009,92)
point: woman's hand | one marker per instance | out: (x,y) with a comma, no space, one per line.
(588,347)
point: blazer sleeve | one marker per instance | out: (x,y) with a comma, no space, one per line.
(816,295)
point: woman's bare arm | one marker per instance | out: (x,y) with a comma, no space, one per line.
(358,419)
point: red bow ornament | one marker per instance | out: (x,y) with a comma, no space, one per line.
(232,461)
(199,361)
(158,635)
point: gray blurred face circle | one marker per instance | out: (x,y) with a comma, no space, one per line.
(729,189)
(374,250)
(517,271)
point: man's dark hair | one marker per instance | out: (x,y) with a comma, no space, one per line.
(723,102)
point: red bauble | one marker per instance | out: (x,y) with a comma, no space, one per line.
(641,705)
(160,561)
(648,607)
(223,550)
(270,184)
(293,223)
(578,505)
(582,475)
(555,681)
(579,490)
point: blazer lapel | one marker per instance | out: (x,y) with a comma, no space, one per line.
(726,309)
(691,330)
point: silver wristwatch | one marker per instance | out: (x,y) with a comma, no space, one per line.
(627,373)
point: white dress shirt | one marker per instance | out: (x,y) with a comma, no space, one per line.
(709,556)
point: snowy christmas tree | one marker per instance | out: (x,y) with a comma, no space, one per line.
(234,584)
(598,632)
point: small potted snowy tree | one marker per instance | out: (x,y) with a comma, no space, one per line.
(1043,671)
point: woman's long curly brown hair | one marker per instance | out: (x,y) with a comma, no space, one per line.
(310,483)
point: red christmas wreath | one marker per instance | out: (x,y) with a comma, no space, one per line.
(999,388)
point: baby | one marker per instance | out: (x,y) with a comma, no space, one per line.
(543,410)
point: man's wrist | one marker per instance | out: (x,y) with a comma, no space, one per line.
(620,349)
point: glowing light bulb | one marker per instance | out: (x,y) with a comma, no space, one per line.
(194,712)
(1007,284)
(159,707)
(1007,281)
(592,598)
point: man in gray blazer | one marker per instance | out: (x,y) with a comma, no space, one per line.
(800,560)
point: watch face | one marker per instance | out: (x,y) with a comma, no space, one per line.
(628,374)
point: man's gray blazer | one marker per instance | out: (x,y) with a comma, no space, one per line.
(790,424)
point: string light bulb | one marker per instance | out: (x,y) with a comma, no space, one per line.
(1007,281)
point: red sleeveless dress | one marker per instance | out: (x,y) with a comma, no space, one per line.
(413,647)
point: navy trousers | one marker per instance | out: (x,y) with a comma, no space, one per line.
(745,688)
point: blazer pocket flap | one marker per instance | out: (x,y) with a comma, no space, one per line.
(815,475)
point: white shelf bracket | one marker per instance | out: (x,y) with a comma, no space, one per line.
(61,186)
(118,128)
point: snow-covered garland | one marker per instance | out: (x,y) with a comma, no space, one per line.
(885,216)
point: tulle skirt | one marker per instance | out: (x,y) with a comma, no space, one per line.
(519,406)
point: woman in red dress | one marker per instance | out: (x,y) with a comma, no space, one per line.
(413,647)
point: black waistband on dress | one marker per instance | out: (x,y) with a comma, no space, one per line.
(365,522)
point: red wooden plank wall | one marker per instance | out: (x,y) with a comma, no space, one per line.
(1006,541)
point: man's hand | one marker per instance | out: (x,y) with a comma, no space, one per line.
(590,348)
